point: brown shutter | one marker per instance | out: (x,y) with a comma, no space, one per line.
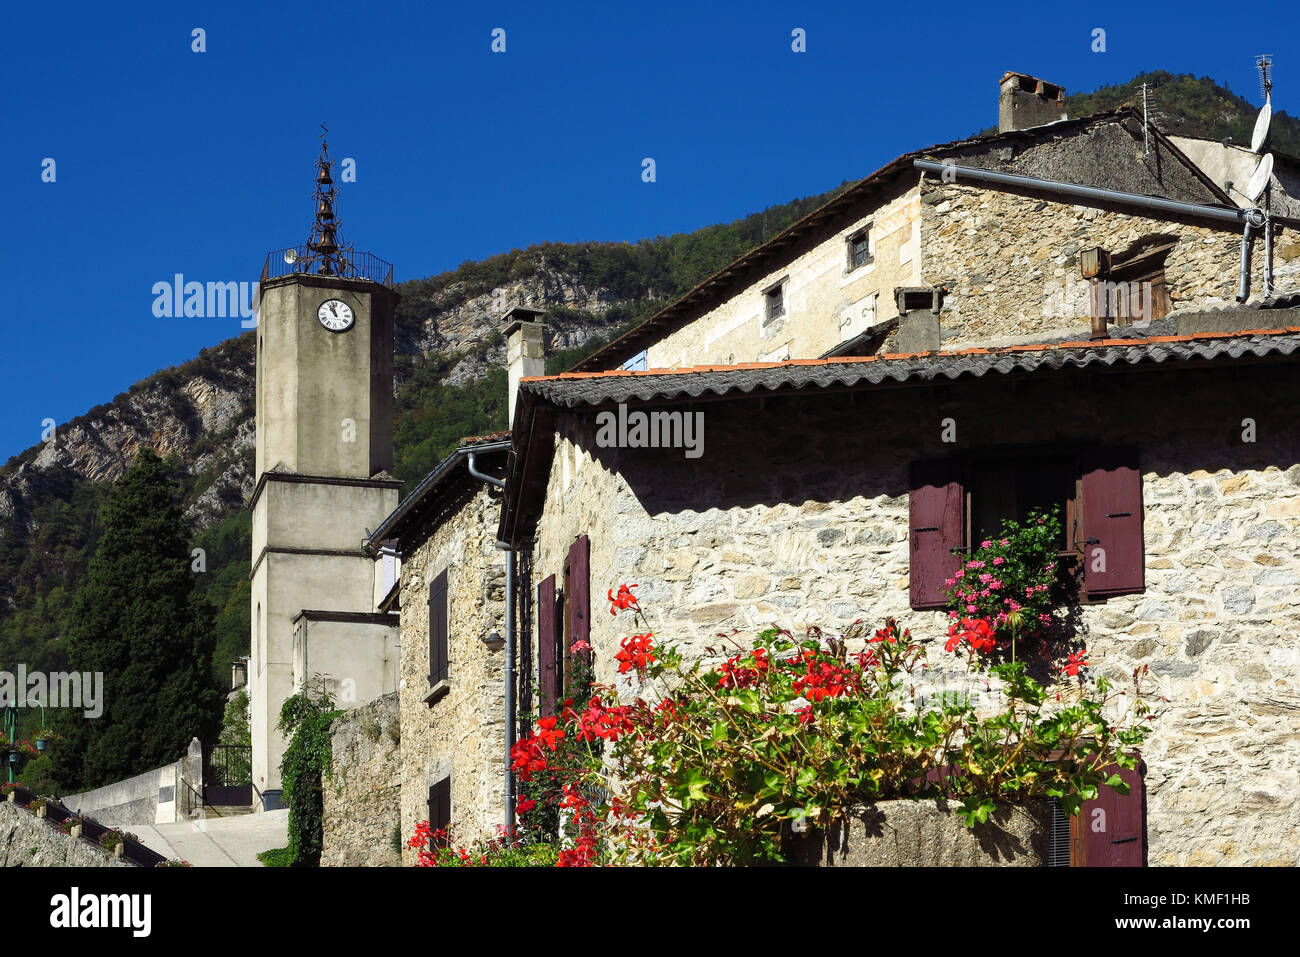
(1113,826)
(937,525)
(579,605)
(548,640)
(438,629)
(440,809)
(1113,556)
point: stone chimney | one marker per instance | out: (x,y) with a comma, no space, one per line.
(1028,101)
(525,349)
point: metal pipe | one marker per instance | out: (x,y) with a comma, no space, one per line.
(509,671)
(1250,216)
(1243,286)
(1268,244)
(473,470)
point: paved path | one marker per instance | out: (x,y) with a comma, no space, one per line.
(216,841)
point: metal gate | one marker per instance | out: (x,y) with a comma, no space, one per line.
(228,776)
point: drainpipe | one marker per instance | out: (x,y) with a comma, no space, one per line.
(510,683)
(1243,287)
(510,652)
(1251,217)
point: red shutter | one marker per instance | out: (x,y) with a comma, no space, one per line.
(438,629)
(1112,522)
(548,675)
(937,525)
(579,605)
(1114,832)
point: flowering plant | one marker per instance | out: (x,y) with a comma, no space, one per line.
(1010,581)
(715,764)
(507,849)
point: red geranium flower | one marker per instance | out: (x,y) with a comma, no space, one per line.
(1075,662)
(636,653)
(623,600)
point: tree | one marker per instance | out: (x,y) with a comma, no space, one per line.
(140,622)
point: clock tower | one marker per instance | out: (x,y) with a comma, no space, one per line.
(324,450)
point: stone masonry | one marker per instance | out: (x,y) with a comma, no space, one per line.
(362,793)
(798,514)
(462,734)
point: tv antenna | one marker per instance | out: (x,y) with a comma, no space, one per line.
(1260,181)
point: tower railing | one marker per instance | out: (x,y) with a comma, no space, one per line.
(347,263)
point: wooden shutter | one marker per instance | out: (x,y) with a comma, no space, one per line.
(548,641)
(1113,556)
(578,605)
(1111,829)
(937,525)
(438,629)
(440,809)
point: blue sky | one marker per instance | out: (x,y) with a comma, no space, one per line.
(171,161)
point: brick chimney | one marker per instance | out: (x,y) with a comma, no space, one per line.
(1028,101)
(525,349)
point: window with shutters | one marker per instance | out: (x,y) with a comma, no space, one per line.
(549,637)
(577,637)
(438,643)
(955,504)
(440,812)
(858,249)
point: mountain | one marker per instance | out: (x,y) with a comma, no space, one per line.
(449,382)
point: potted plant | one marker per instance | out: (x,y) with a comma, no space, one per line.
(783,740)
(72,825)
(43,738)
(37,806)
(112,840)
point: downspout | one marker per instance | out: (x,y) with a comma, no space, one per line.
(509,669)
(510,684)
(1251,217)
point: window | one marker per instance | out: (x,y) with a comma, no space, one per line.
(775,297)
(577,585)
(637,363)
(1131,284)
(438,628)
(859,249)
(954,504)
(440,812)
(549,658)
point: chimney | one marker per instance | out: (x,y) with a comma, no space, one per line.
(239,674)
(1028,101)
(525,349)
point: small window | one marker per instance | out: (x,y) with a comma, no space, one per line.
(859,249)
(637,363)
(440,813)
(438,628)
(775,301)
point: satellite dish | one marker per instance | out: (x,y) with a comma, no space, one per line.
(291,256)
(1259,179)
(1261,126)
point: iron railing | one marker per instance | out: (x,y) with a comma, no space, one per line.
(91,830)
(348,263)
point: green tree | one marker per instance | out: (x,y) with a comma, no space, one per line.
(141,624)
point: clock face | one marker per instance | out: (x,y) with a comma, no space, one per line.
(335,315)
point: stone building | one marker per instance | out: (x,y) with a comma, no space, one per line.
(1056,314)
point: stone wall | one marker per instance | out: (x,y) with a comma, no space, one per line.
(363,790)
(825,303)
(462,733)
(1011,261)
(161,796)
(29,841)
(798,513)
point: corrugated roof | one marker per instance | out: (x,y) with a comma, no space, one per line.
(573,389)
